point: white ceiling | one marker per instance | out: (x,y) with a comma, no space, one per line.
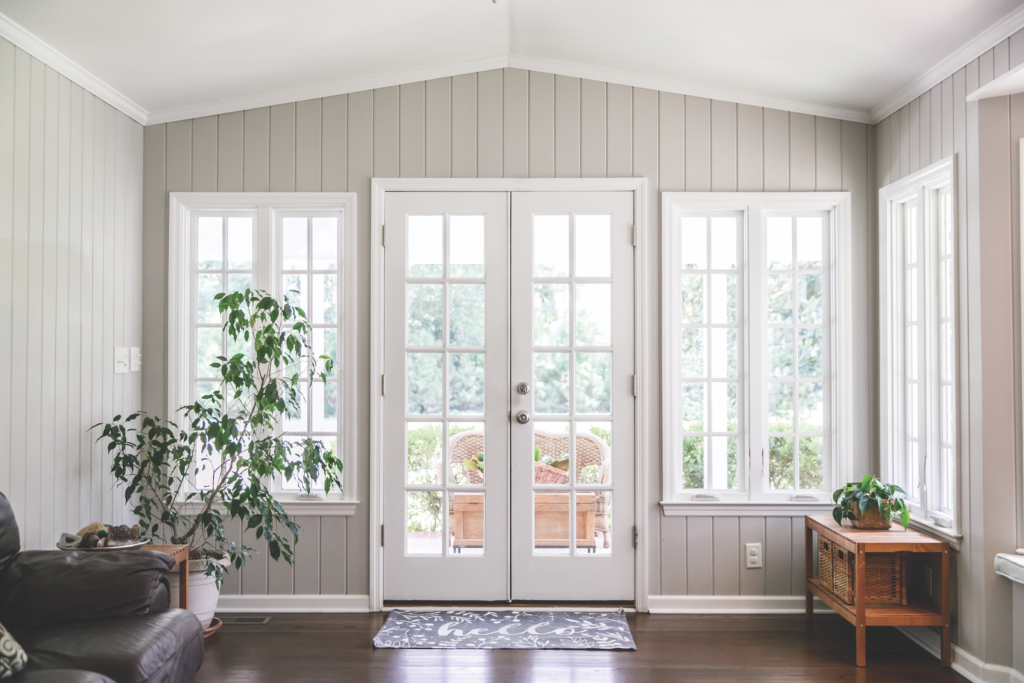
(181,58)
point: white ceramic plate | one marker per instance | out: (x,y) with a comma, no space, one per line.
(131,546)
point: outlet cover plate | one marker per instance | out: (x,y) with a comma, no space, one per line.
(754,558)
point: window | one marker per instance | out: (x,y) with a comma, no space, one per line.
(754,356)
(919,368)
(294,246)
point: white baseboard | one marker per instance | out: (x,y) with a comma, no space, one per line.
(293,603)
(731,604)
(964,663)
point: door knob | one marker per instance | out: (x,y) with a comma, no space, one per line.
(522,417)
(523,388)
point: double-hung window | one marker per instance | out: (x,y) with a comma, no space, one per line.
(298,247)
(918,251)
(755,349)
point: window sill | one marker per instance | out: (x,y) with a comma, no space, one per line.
(703,508)
(940,532)
(294,507)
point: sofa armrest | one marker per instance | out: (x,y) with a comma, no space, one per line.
(43,587)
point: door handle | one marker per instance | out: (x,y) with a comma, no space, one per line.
(522,417)
(523,388)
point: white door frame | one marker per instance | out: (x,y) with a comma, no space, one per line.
(379,188)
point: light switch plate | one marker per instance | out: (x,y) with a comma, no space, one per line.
(754,560)
(120,360)
(136,359)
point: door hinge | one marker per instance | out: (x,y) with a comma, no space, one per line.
(383,384)
(636,390)
(636,537)
(381,535)
(634,235)
(383,235)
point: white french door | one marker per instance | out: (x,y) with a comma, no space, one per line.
(509,324)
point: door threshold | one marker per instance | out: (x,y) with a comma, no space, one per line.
(518,605)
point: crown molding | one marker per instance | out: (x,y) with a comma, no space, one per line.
(639,80)
(58,61)
(979,45)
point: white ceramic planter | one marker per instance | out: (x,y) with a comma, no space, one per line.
(203,593)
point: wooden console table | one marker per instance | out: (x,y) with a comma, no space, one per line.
(860,614)
(180,555)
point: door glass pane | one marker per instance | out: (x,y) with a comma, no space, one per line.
(325,243)
(594,315)
(551,378)
(551,523)
(552,453)
(465,524)
(586,521)
(466,246)
(425,384)
(551,314)
(423,453)
(593,383)
(466,463)
(240,243)
(426,250)
(466,315)
(207,287)
(210,242)
(295,246)
(593,453)
(551,246)
(425,316)
(601,542)
(423,522)
(466,383)
(593,246)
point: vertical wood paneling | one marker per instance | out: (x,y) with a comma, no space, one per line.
(828,163)
(101,355)
(750,154)
(672,142)
(947,116)
(439,128)
(542,125)
(490,140)
(752,530)
(204,154)
(776,150)
(698,144)
(726,532)
(904,150)
(723,146)
(412,144)
(925,127)
(593,129)
(386,140)
(280,574)
(673,556)
(282,148)
(19,284)
(254,573)
(75,306)
(936,125)
(882,156)
(914,136)
(61,259)
(797,570)
(334,138)
(894,147)
(308,146)
(1016,49)
(154,253)
(89,412)
(567,127)
(464,126)
(1001,58)
(515,123)
(700,564)
(256,146)
(307,556)
(778,556)
(7,95)
(332,555)
(232,578)
(230,134)
(620,131)
(801,152)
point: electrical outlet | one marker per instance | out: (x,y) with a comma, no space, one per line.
(120,360)
(754,556)
(928,581)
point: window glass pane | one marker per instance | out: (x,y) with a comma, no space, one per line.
(810,352)
(809,287)
(780,462)
(207,287)
(593,246)
(692,360)
(551,314)
(325,243)
(780,352)
(724,406)
(424,526)
(296,290)
(466,460)
(466,246)
(325,299)
(466,315)
(812,412)
(808,241)
(723,242)
(593,383)
(693,462)
(466,383)
(551,246)
(723,298)
(723,352)
(295,249)
(325,343)
(692,398)
(811,462)
(693,239)
(551,377)
(425,317)
(693,298)
(594,314)
(780,298)
(209,342)
(325,407)
(424,382)
(423,453)
(297,415)
(204,393)
(210,242)
(425,249)
(779,242)
(780,407)
(239,282)
(723,462)
(240,242)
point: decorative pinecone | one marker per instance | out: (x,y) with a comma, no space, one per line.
(135,531)
(119,535)
(89,540)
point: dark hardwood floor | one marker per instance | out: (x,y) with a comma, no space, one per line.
(338,647)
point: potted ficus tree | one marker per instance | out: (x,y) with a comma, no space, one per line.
(870,504)
(229,439)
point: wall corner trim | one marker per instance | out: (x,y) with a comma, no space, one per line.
(731,604)
(964,663)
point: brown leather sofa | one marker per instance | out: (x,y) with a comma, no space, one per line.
(94,617)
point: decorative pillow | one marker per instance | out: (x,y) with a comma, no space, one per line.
(12,657)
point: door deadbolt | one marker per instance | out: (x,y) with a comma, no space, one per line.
(523,388)
(522,417)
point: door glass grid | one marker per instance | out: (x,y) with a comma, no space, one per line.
(797,297)
(224,256)
(947,352)
(711,359)
(310,280)
(445,293)
(572,379)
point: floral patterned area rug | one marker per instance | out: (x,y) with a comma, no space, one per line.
(500,630)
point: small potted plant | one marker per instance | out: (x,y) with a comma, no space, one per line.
(230,438)
(870,504)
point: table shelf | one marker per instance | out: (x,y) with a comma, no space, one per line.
(914,614)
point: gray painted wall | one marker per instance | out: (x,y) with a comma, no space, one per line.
(70,291)
(515,123)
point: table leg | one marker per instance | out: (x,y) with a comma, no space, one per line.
(183,584)
(859,598)
(946,647)
(808,572)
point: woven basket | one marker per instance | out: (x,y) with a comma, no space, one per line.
(843,572)
(884,577)
(546,474)
(825,562)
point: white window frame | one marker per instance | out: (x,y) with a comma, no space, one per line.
(268,207)
(756,498)
(920,188)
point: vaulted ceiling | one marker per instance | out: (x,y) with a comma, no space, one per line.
(187,57)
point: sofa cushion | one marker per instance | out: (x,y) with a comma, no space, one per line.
(12,656)
(158,648)
(10,537)
(60,676)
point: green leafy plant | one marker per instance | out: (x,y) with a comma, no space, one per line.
(229,439)
(867,494)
